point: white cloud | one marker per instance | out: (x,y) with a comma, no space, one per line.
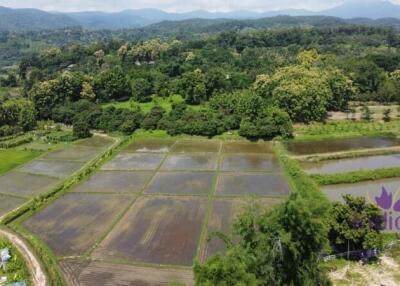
(172,5)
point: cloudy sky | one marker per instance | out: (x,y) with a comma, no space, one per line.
(173,5)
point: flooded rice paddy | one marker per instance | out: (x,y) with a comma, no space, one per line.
(57,169)
(157,230)
(73,223)
(150,146)
(150,204)
(338,145)
(138,162)
(190,162)
(196,146)
(188,183)
(249,162)
(9,203)
(245,184)
(368,190)
(352,164)
(45,173)
(26,185)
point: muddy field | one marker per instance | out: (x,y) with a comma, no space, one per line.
(249,163)
(45,173)
(192,162)
(26,185)
(73,223)
(244,184)
(150,146)
(196,146)
(115,182)
(8,203)
(246,148)
(368,190)
(73,153)
(134,162)
(188,183)
(157,230)
(177,183)
(95,273)
(338,145)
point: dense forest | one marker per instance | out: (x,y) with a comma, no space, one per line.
(257,81)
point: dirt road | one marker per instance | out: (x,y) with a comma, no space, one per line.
(35,268)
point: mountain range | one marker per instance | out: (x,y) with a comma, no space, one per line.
(32,19)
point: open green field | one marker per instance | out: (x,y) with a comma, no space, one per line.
(11,158)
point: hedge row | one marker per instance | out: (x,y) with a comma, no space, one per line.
(16,141)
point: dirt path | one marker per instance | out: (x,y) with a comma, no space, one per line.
(35,268)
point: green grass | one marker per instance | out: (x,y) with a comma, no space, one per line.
(11,158)
(16,269)
(165,103)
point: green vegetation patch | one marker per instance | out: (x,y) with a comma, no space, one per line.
(16,269)
(345,129)
(10,159)
(356,176)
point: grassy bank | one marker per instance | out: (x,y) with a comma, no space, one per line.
(357,176)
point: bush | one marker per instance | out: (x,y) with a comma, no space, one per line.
(151,120)
(81,128)
(272,123)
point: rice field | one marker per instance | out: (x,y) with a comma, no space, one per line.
(154,204)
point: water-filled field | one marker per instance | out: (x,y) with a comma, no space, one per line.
(249,162)
(73,223)
(138,162)
(352,164)
(115,182)
(46,172)
(157,230)
(150,205)
(190,162)
(187,183)
(8,203)
(242,184)
(369,190)
(338,145)
(26,185)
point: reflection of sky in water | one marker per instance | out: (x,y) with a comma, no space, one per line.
(336,145)
(353,164)
(369,190)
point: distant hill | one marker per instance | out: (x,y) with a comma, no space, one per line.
(373,9)
(21,20)
(188,28)
(31,19)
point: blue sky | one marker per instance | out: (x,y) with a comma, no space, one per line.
(173,5)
